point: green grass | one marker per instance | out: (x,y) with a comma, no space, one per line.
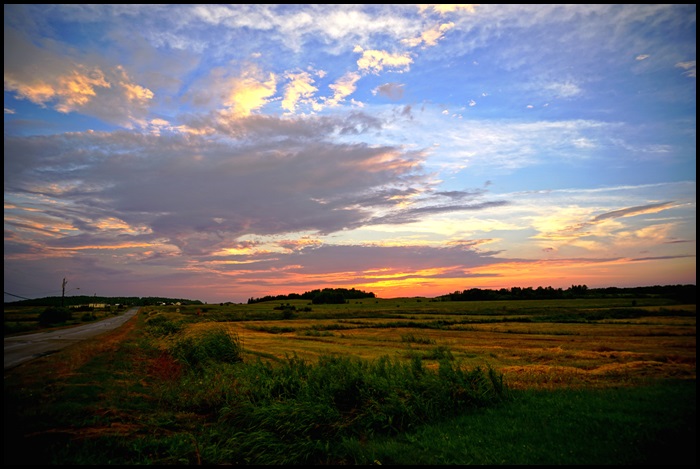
(652,424)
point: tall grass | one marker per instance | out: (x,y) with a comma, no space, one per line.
(216,345)
(297,412)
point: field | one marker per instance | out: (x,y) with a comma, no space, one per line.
(534,343)
(635,356)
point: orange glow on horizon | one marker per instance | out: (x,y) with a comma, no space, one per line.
(553,274)
(390,282)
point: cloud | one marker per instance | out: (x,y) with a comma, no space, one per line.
(334,26)
(562,227)
(240,94)
(656,258)
(375,61)
(199,193)
(343,87)
(249,92)
(506,145)
(430,37)
(393,91)
(689,68)
(412,215)
(299,87)
(51,79)
(642,57)
(233,92)
(563,89)
(318,266)
(444,9)
(454,195)
(633,211)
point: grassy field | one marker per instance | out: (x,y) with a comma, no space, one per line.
(390,381)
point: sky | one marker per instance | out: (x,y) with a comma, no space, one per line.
(226,152)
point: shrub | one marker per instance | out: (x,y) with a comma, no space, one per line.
(160,325)
(218,346)
(89,316)
(54,315)
(344,397)
(287,313)
(417,340)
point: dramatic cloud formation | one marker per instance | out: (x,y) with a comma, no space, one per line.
(222,152)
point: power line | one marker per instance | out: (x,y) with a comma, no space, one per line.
(17,296)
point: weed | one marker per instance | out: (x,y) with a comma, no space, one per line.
(160,325)
(417,340)
(216,345)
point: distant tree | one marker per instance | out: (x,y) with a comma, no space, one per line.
(328,296)
(347,294)
(578,291)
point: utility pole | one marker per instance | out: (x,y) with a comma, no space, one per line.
(63,291)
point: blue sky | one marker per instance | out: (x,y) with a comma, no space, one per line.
(222,152)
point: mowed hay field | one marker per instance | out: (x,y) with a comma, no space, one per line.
(544,344)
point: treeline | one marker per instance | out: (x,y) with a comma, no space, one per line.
(58,301)
(318,296)
(684,294)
